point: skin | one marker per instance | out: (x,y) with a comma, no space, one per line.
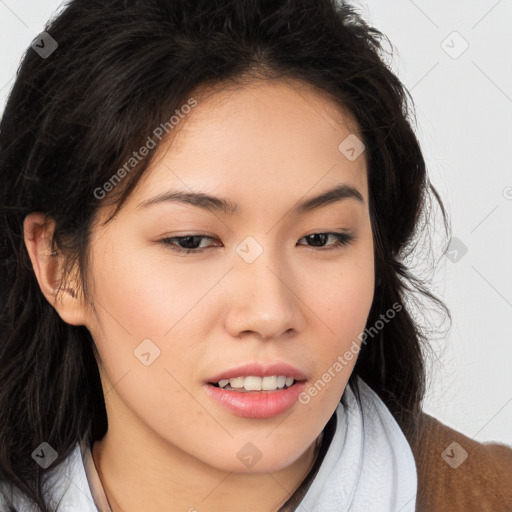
(169,447)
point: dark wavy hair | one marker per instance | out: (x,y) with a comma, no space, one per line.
(71,120)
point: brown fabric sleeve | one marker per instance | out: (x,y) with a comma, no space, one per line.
(457,473)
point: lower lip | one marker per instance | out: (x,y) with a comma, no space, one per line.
(256,404)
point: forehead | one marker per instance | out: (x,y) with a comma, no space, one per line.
(286,96)
(286,111)
(267,141)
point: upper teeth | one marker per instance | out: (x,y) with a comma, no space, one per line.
(253,383)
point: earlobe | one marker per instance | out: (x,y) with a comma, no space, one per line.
(47,264)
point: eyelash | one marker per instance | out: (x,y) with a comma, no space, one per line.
(342,239)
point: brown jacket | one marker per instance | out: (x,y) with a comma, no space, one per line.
(457,473)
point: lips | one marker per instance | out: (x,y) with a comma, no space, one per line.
(256,404)
(259,370)
(263,404)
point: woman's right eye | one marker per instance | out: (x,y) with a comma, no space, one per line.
(187,240)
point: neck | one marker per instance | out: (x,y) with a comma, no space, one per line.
(178,482)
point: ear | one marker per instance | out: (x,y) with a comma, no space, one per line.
(38,231)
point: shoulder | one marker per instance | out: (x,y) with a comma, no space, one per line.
(457,473)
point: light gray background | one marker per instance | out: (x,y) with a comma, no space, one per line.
(463,103)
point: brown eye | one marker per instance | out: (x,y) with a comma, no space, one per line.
(191,243)
(319,239)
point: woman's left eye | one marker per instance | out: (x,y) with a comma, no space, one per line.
(341,239)
(193,242)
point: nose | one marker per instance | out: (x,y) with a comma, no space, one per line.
(264,300)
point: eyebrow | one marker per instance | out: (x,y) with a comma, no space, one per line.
(218,204)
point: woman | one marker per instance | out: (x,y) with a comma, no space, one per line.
(204,305)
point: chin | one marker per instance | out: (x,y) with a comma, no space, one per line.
(251,459)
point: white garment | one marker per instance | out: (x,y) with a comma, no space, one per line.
(368,467)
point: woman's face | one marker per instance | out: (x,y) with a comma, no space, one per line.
(264,285)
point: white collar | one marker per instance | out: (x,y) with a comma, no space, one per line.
(369,464)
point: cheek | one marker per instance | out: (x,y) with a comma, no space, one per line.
(340,298)
(341,293)
(148,340)
(145,305)
(143,291)
(342,306)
